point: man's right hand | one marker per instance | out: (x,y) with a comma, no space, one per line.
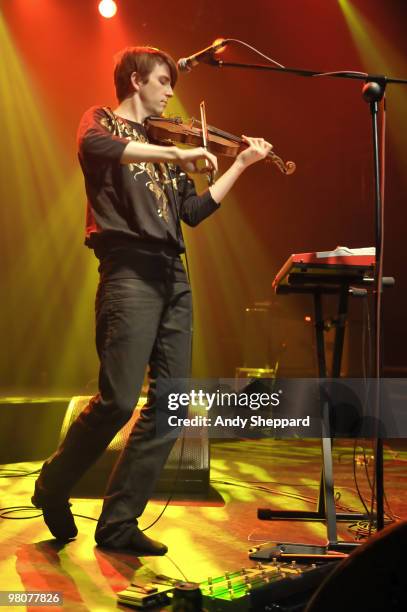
(188,158)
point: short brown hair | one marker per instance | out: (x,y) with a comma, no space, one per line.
(141,60)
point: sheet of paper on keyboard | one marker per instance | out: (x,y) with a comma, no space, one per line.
(342,251)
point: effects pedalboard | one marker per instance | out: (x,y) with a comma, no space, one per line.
(264,586)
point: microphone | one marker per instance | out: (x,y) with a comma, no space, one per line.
(185,64)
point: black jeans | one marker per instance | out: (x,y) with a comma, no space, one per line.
(138,322)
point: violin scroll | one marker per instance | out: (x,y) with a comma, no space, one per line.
(287,167)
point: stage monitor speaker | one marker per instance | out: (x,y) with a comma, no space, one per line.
(193,473)
(372,578)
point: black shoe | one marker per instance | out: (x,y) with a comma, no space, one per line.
(139,545)
(57,516)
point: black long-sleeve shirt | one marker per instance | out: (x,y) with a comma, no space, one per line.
(134,210)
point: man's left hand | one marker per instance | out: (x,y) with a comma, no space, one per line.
(257,150)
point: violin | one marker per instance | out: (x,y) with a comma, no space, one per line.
(169,131)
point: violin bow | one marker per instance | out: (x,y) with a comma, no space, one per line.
(204,126)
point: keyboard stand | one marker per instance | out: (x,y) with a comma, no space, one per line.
(325,510)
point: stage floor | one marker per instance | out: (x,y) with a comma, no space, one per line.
(205,537)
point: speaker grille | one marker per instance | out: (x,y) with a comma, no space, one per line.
(193,475)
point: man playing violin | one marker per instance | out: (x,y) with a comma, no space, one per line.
(138,192)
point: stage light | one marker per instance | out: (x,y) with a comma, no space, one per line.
(107,8)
